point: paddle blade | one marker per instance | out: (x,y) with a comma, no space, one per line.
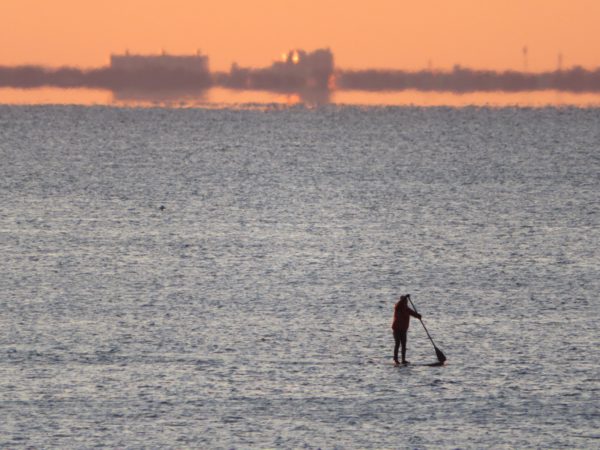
(440,356)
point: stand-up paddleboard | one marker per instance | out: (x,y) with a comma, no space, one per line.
(387,361)
(435,364)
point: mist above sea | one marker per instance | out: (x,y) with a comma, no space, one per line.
(225,278)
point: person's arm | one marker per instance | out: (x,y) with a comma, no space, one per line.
(414,314)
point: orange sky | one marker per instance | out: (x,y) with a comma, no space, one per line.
(378,33)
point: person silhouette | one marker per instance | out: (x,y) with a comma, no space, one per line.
(400,325)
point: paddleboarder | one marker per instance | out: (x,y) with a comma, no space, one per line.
(400,325)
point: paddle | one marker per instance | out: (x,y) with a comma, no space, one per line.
(440,356)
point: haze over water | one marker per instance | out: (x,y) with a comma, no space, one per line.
(225,278)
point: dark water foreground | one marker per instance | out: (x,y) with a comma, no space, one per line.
(253,309)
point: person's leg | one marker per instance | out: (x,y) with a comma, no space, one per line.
(396,346)
(403,342)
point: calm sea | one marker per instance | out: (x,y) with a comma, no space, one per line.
(225,278)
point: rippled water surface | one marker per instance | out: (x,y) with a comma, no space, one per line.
(226,278)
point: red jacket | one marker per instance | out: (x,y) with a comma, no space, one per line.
(402,315)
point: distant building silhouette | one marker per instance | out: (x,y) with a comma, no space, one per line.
(157,71)
(197,64)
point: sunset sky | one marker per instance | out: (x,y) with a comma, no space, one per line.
(376,34)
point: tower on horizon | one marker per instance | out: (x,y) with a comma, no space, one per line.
(559,62)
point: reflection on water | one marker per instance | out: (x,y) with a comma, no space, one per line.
(229,97)
(222,96)
(55,96)
(494,99)
(159,97)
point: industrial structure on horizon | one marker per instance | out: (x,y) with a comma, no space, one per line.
(298,70)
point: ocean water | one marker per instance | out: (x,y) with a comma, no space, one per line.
(225,278)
